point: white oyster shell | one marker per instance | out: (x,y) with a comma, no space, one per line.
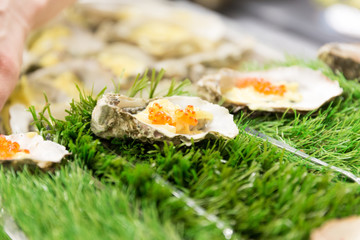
(224,54)
(161,29)
(43,153)
(124,59)
(88,74)
(59,83)
(57,43)
(186,40)
(314,88)
(343,57)
(20,118)
(114,116)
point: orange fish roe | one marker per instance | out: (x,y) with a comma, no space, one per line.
(261,86)
(157,115)
(8,149)
(188,116)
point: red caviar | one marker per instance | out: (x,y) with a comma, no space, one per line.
(261,86)
(188,116)
(8,149)
(157,115)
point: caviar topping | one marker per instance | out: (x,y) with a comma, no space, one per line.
(158,115)
(261,86)
(175,119)
(188,116)
(9,149)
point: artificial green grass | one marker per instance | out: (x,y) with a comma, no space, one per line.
(3,235)
(71,204)
(331,134)
(259,191)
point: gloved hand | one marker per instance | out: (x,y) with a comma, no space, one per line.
(17,19)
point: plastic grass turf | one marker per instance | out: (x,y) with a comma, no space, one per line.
(3,235)
(259,191)
(71,205)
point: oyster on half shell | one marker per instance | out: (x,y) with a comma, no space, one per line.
(344,57)
(225,54)
(54,44)
(161,29)
(33,150)
(118,116)
(59,83)
(279,89)
(124,60)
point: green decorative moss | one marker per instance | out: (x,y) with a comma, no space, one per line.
(110,189)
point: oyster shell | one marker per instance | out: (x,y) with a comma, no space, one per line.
(306,89)
(213,4)
(344,57)
(20,119)
(335,229)
(42,153)
(15,110)
(88,74)
(57,43)
(115,116)
(160,29)
(124,59)
(59,83)
(226,54)
(186,40)
(93,14)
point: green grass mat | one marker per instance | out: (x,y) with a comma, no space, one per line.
(3,235)
(71,204)
(254,188)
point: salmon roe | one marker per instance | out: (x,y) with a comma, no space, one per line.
(8,149)
(157,115)
(188,116)
(261,86)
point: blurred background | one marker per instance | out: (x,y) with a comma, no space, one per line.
(297,26)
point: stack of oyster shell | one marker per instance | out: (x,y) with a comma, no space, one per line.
(107,43)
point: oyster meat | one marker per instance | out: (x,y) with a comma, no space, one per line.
(30,148)
(279,89)
(226,54)
(59,83)
(176,119)
(57,43)
(124,59)
(167,31)
(186,40)
(344,57)
(61,78)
